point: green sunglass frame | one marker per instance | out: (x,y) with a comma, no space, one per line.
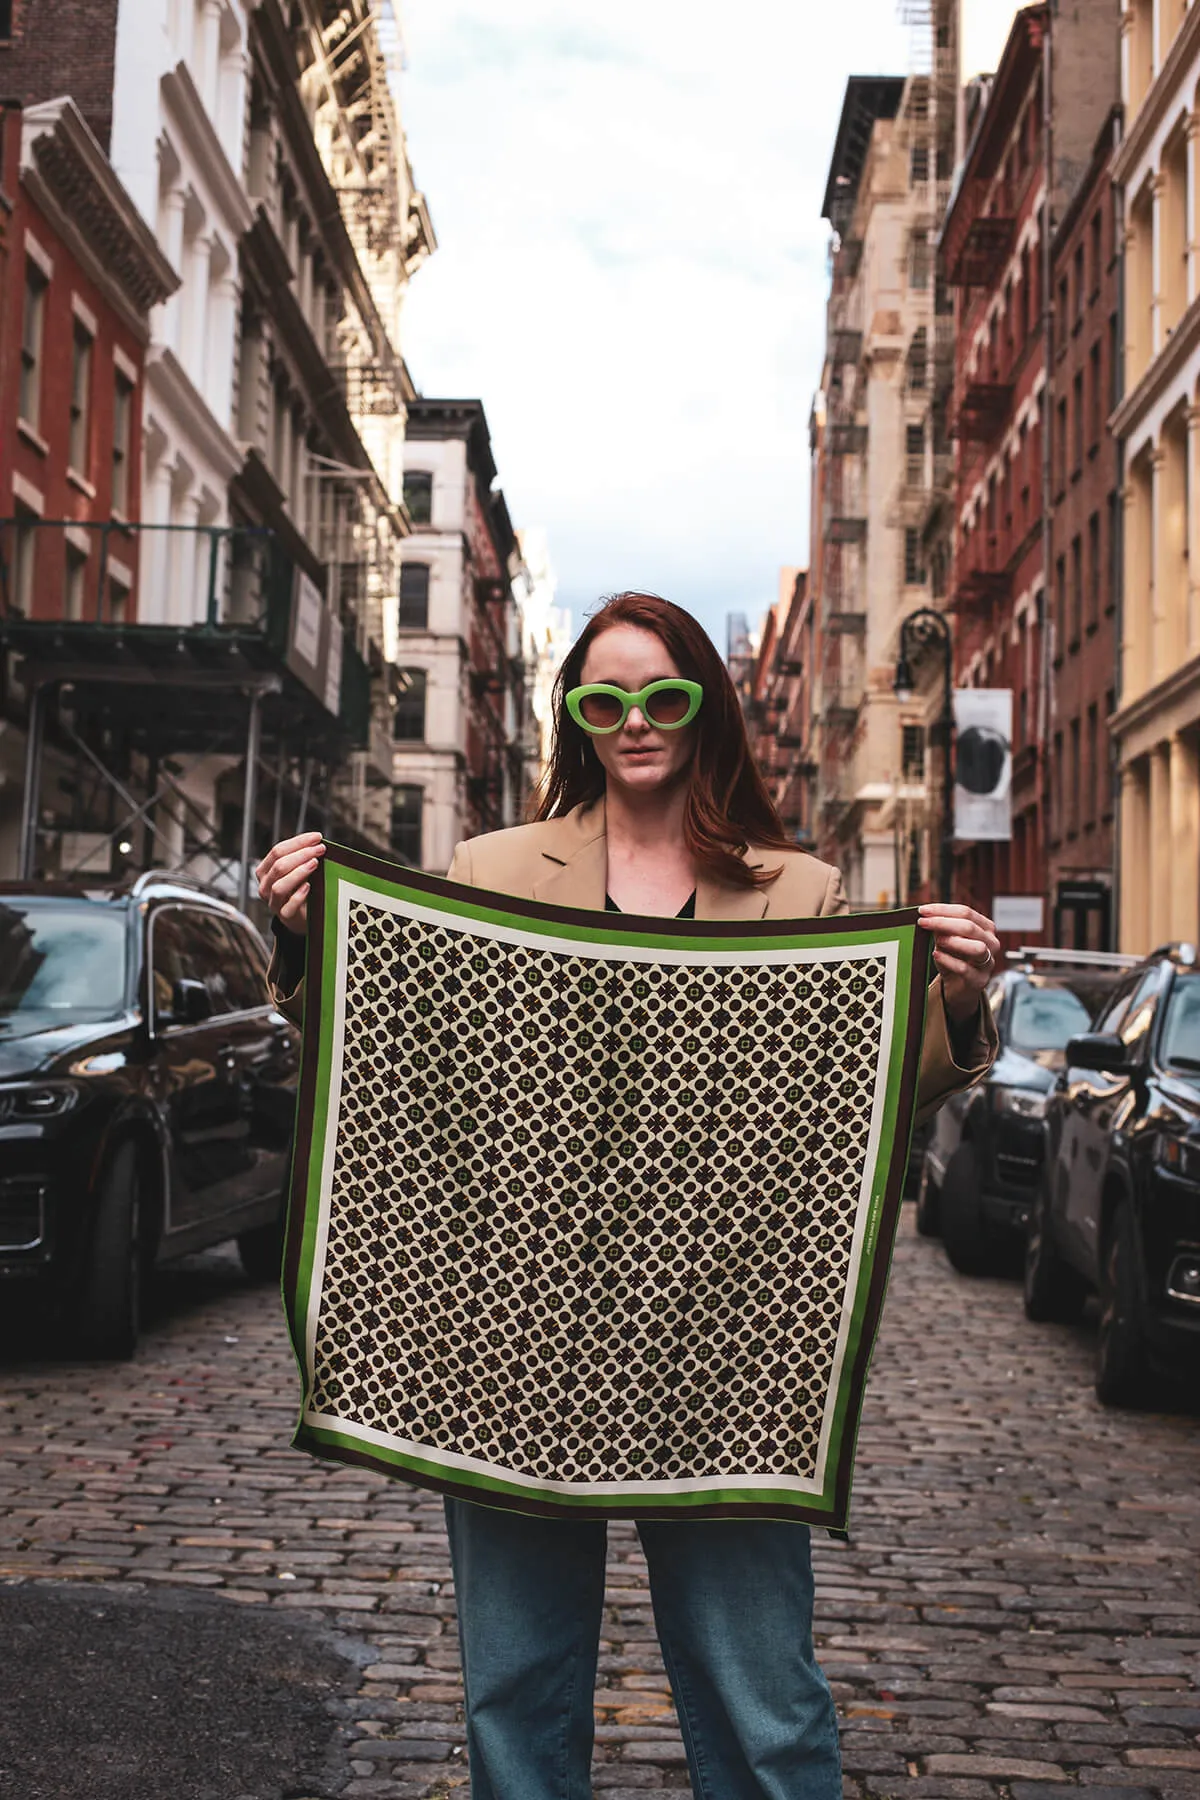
(577,696)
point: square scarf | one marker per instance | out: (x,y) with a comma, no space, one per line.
(592,1214)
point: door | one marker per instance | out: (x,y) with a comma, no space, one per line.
(196,1067)
(1100,1106)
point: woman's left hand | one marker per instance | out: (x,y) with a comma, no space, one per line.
(966,953)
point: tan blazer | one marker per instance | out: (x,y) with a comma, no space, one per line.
(565,863)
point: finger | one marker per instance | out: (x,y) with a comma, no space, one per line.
(945,910)
(285,886)
(287,867)
(954,965)
(976,950)
(306,842)
(294,911)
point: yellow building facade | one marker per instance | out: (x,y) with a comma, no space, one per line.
(1156,727)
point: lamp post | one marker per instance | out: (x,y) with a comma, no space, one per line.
(920,631)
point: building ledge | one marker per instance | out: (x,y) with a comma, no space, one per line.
(1163,96)
(1165,693)
(1163,370)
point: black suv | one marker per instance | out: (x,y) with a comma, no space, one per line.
(1118,1205)
(147,1092)
(982,1162)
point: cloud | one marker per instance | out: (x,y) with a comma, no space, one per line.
(632,269)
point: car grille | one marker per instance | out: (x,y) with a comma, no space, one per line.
(22,1213)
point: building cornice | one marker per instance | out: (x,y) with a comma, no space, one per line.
(65,171)
(1156,700)
(207,150)
(1165,368)
(1167,89)
(166,378)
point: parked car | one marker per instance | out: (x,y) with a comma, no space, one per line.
(147,1094)
(1117,1211)
(981,1164)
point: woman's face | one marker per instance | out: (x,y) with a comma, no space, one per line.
(638,756)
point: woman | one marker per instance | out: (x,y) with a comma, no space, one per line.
(653,805)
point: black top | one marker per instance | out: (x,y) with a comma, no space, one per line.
(686,911)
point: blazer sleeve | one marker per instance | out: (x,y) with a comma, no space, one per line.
(951,1058)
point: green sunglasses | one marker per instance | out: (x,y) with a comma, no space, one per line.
(668,705)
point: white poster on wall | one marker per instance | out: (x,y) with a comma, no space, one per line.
(983,765)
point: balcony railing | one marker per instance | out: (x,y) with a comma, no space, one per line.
(982,575)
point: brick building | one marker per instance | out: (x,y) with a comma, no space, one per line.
(1032,148)
(82,272)
(1086,545)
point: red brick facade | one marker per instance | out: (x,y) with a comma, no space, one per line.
(62,47)
(993,244)
(1086,546)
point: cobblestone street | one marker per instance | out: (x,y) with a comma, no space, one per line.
(1017,1613)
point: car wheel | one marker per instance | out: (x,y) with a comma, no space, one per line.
(1053,1290)
(261,1249)
(964,1229)
(108,1311)
(929,1209)
(1121,1360)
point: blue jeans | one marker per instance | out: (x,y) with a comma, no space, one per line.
(733,1609)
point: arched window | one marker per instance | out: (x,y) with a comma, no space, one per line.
(418,495)
(414,597)
(408,720)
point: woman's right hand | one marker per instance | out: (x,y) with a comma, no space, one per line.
(283,878)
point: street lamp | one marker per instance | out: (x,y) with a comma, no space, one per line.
(920,631)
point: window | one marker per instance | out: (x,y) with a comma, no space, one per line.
(78,445)
(918,356)
(189,944)
(1080,280)
(1073,823)
(1093,753)
(1114,539)
(29,403)
(407,806)
(418,496)
(414,597)
(1060,472)
(912,750)
(1093,613)
(1077,392)
(1097,415)
(1114,363)
(1025,296)
(1056,791)
(408,720)
(1060,604)
(914,572)
(914,447)
(122,430)
(1076,590)
(918,165)
(1063,314)
(24,562)
(918,260)
(1097,251)
(5,19)
(74,583)
(118,601)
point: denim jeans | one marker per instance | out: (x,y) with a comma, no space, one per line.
(733,1609)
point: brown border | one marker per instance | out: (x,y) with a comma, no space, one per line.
(536,912)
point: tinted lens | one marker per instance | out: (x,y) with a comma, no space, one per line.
(669,706)
(601,710)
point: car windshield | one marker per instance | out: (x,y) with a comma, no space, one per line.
(1181,1028)
(60,963)
(1046,1017)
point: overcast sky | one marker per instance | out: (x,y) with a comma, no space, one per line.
(632,268)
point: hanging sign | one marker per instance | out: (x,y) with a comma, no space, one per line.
(983,765)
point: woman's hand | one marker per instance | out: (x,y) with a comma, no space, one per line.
(966,952)
(283,878)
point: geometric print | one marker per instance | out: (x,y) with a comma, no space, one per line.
(594,1227)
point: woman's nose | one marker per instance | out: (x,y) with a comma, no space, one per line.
(637,720)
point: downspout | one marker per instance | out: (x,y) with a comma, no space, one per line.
(1048,337)
(1118,551)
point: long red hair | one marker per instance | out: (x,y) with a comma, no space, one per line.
(728,807)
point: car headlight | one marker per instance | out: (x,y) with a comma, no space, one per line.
(37,1100)
(1023,1103)
(1178,1156)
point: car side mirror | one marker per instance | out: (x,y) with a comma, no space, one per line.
(1100,1050)
(191,1003)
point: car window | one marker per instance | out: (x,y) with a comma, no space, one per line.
(190,944)
(1181,1027)
(1136,1023)
(247,968)
(1044,1018)
(1109,1020)
(61,963)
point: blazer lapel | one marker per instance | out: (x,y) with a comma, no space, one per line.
(575,861)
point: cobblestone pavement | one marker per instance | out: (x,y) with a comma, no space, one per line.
(1017,1615)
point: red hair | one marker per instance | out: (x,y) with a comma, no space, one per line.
(728,807)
